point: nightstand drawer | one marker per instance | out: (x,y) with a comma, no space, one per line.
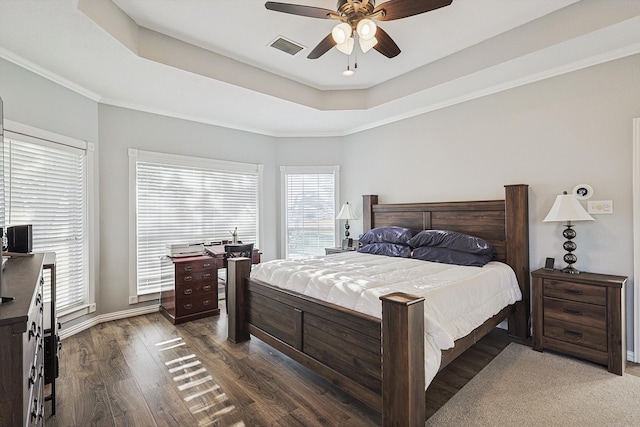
(575,291)
(575,333)
(576,312)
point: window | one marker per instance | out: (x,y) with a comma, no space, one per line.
(179,199)
(309,209)
(46,185)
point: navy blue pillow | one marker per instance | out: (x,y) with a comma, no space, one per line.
(388,249)
(452,240)
(394,234)
(450,256)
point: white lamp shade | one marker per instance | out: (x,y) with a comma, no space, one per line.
(367,45)
(341,33)
(346,212)
(567,208)
(366,29)
(346,47)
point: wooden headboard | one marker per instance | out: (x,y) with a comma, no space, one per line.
(504,223)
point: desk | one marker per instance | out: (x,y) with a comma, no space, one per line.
(218,252)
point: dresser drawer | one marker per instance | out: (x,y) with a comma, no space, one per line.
(196,304)
(576,333)
(575,312)
(196,265)
(575,291)
(185,277)
(195,289)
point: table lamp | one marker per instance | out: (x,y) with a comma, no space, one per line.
(346,213)
(568,208)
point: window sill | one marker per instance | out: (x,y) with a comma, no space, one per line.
(75,312)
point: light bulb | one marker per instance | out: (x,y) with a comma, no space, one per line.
(341,32)
(366,29)
(348,72)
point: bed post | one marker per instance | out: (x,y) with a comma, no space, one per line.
(403,381)
(517,236)
(367,211)
(238,270)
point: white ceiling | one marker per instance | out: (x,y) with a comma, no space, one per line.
(210,60)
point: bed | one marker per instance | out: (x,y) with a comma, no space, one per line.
(381,361)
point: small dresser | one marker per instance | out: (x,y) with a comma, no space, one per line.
(189,288)
(581,315)
(22,343)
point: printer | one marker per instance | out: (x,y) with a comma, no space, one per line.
(176,250)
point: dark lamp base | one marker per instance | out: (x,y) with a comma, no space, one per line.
(570,270)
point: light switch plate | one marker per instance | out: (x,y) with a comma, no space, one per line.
(597,207)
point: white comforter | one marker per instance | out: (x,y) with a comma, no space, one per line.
(457,299)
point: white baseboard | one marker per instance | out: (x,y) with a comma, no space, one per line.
(66,332)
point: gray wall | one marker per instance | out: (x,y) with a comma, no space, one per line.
(121,129)
(552,135)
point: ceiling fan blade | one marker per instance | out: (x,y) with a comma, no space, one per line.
(322,47)
(386,45)
(397,9)
(297,9)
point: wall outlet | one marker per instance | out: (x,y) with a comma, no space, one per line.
(597,207)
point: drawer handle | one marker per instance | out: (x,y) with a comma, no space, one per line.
(188,306)
(207,275)
(188,278)
(573,291)
(188,291)
(570,311)
(206,302)
(188,268)
(206,288)
(573,333)
(32,376)
(32,331)
(206,265)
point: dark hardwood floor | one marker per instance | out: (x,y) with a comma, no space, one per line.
(144,371)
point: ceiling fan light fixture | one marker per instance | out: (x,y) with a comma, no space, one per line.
(346,47)
(366,29)
(348,72)
(341,33)
(367,45)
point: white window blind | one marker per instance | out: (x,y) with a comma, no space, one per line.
(46,186)
(177,203)
(310,200)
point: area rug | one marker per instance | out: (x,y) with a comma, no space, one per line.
(522,387)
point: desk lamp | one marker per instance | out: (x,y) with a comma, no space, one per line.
(568,208)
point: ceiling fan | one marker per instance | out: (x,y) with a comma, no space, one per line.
(357,18)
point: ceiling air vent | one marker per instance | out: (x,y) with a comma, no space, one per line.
(286,46)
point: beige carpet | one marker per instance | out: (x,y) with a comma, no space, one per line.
(522,387)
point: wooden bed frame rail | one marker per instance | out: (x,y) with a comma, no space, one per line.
(381,361)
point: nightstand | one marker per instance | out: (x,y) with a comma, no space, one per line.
(581,315)
(329,251)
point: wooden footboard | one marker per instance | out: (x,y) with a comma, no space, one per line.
(348,348)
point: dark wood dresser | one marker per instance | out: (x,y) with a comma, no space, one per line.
(189,288)
(581,315)
(22,343)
